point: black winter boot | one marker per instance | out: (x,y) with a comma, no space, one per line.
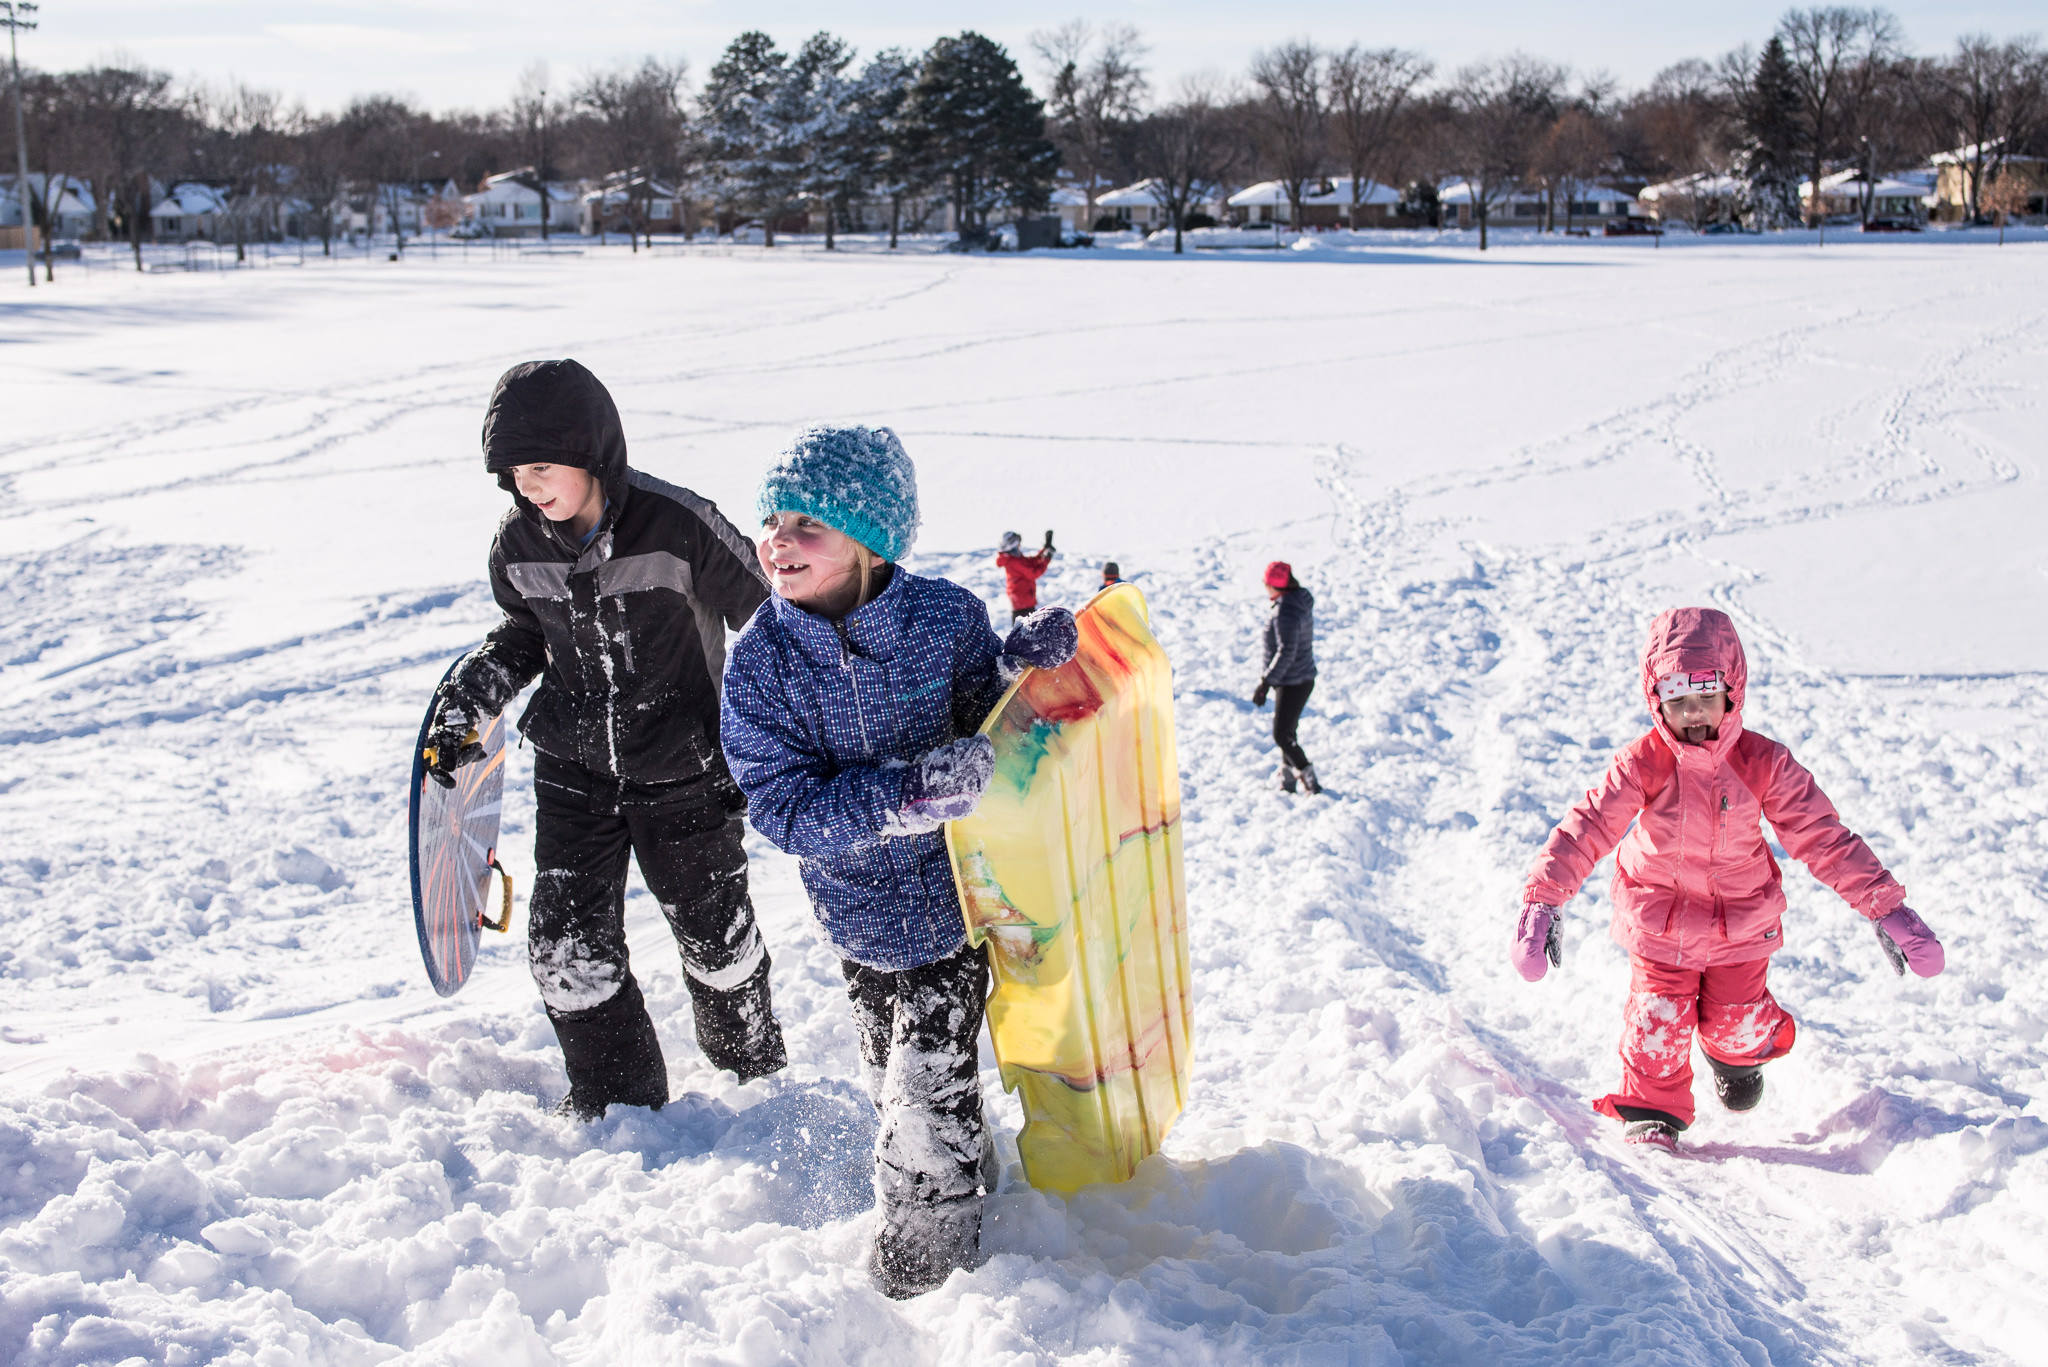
(1309,784)
(737,1029)
(920,1243)
(1286,778)
(1740,1086)
(612,1055)
(1659,1133)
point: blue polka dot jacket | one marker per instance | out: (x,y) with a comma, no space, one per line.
(819,722)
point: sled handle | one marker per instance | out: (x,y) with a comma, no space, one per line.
(504,921)
(432,754)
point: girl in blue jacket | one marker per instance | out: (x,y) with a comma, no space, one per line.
(850,712)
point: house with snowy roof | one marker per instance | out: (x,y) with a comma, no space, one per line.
(1581,202)
(1696,200)
(1325,203)
(630,201)
(1904,195)
(1138,205)
(414,208)
(508,204)
(1956,170)
(188,211)
(73,211)
(1070,202)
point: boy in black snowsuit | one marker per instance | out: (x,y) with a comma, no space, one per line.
(617,589)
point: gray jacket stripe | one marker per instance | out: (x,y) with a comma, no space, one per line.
(653,570)
(539,578)
(705,513)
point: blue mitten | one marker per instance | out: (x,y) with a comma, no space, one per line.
(945,785)
(1046,639)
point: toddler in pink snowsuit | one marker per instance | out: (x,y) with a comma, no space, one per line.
(1698,898)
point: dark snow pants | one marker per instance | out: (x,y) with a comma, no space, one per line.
(1288,700)
(920,1031)
(687,843)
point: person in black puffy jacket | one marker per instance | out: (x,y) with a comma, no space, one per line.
(617,590)
(1289,670)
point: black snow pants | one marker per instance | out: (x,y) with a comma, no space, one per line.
(1288,700)
(687,841)
(920,1030)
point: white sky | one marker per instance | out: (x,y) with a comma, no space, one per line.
(468,53)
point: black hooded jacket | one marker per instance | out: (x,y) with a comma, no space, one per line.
(1290,639)
(629,630)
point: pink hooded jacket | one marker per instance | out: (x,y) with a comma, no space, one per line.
(1694,883)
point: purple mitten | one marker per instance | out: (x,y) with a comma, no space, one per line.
(1907,941)
(947,783)
(1536,940)
(1046,639)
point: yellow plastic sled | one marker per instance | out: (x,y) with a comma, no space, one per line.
(1070,870)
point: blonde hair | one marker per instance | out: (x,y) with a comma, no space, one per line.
(866,560)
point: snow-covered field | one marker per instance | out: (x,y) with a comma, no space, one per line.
(243,520)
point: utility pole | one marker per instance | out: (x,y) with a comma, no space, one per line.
(540,172)
(15,9)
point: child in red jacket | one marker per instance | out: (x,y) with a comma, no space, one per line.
(1697,896)
(1022,572)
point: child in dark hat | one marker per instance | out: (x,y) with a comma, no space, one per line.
(852,705)
(617,590)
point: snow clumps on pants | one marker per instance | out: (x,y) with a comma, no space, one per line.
(919,1031)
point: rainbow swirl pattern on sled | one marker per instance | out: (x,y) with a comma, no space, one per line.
(1070,870)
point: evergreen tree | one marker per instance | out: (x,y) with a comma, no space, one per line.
(813,116)
(740,133)
(1769,159)
(976,126)
(877,159)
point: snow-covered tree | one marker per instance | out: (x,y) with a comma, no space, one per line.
(814,115)
(875,159)
(1768,163)
(738,126)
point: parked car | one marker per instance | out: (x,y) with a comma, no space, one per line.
(1632,227)
(1721,228)
(1891,225)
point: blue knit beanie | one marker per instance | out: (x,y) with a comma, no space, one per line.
(857,480)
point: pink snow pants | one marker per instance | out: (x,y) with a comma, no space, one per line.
(1729,1006)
